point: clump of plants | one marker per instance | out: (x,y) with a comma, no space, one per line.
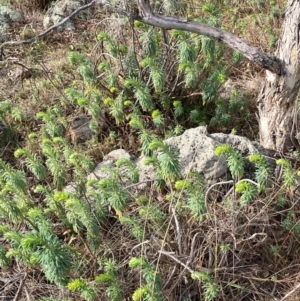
(179,236)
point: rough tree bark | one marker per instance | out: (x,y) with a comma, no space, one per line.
(277,102)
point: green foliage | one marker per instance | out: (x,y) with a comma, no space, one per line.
(34,164)
(131,169)
(14,198)
(246,187)
(54,159)
(4,260)
(157,74)
(110,279)
(152,289)
(109,43)
(211,85)
(141,92)
(42,247)
(153,214)
(147,87)
(54,121)
(234,159)
(237,57)
(178,130)
(82,165)
(186,46)
(136,228)
(236,108)
(167,160)
(210,287)
(84,66)
(210,8)
(154,217)
(289,222)
(86,290)
(247,190)
(262,172)
(194,188)
(11,179)
(110,192)
(158,119)
(110,77)
(289,174)
(178,109)
(53,204)
(17,114)
(79,214)
(116,107)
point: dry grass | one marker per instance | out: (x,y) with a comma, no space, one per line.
(32,5)
(246,249)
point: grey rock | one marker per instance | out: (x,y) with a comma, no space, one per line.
(100,173)
(7,17)
(108,161)
(115,155)
(62,9)
(196,151)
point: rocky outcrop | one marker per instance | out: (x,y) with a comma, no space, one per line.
(62,9)
(196,150)
(8,16)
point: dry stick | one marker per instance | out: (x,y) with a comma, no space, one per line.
(139,183)
(290,292)
(230,190)
(9,280)
(42,34)
(192,247)
(170,277)
(177,230)
(26,293)
(140,244)
(169,254)
(243,180)
(17,295)
(211,187)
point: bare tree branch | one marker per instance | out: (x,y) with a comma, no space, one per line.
(267,61)
(146,16)
(261,58)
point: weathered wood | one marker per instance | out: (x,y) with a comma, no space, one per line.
(277,102)
(267,61)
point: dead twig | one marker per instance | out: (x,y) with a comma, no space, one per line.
(17,296)
(44,33)
(290,292)
(170,254)
(177,230)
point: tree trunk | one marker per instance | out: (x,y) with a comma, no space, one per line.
(277,102)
